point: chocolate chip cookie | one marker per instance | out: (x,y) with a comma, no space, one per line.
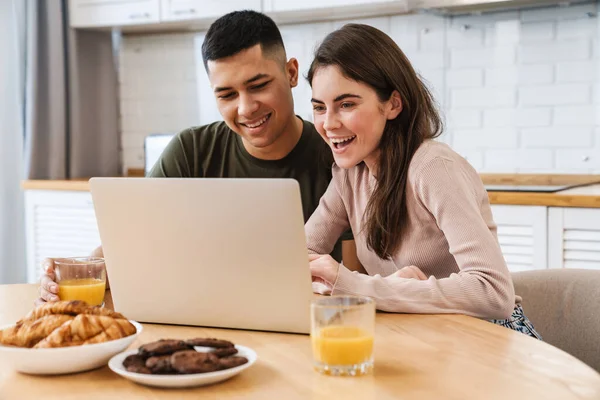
(224,352)
(160,364)
(193,362)
(231,362)
(163,347)
(136,363)
(209,342)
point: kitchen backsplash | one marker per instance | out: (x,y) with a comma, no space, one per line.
(158,94)
(520,91)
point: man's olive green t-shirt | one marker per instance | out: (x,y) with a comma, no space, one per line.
(215,151)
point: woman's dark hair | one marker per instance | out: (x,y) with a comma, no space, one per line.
(366,54)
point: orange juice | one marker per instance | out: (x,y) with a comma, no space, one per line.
(89,290)
(342,345)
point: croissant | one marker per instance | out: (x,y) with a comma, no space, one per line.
(74,307)
(29,333)
(87,329)
(105,312)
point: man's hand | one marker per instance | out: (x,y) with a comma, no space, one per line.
(48,287)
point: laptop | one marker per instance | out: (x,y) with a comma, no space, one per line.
(227,253)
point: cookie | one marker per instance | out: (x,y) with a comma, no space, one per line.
(193,362)
(136,363)
(224,352)
(231,362)
(209,342)
(160,364)
(163,347)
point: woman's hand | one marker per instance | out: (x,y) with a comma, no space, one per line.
(323,268)
(410,272)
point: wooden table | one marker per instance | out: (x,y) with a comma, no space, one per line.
(416,357)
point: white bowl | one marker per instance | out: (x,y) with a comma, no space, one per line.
(181,381)
(66,360)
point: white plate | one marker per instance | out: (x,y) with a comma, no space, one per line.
(65,360)
(181,381)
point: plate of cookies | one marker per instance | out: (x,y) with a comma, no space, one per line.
(66,337)
(176,363)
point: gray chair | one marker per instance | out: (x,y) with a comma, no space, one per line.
(564,307)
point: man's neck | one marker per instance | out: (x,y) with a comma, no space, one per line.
(282,146)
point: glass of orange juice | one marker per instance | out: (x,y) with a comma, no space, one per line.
(342,335)
(81,278)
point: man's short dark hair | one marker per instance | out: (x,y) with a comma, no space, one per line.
(240,30)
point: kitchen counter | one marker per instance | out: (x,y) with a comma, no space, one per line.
(587,195)
(585,190)
(40,184)
(78,185)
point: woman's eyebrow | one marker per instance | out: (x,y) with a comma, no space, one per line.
(338,98)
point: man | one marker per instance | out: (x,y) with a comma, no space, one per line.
(260,136)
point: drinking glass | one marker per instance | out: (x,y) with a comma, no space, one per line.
(342,335)
(81,278)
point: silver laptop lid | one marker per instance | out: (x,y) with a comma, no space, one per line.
(211,252)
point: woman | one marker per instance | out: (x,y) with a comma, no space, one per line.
(420,215)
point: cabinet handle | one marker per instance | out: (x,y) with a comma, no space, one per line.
(183,12)
(139,16)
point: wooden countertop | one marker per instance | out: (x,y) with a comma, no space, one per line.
(585,196)
(416,356)
(78,185)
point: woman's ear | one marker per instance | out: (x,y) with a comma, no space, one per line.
(394,105)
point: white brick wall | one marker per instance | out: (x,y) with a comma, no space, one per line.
(464,118)
(532,117)
(535,74)
(157,77)
(535,32)
(575,115)
(495,138)
(557,137)
(557,94)
(555,51)
(520,91)
(507,160)
(482,57)
(483,97)
(469,77)
(583,71)
(555,75)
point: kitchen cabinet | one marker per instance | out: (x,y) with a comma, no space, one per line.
(285,5)
(284,11)
(107,13)
(522,234)
(59,223)
(178,10)
(168,15)
(574,238)
(538,237)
